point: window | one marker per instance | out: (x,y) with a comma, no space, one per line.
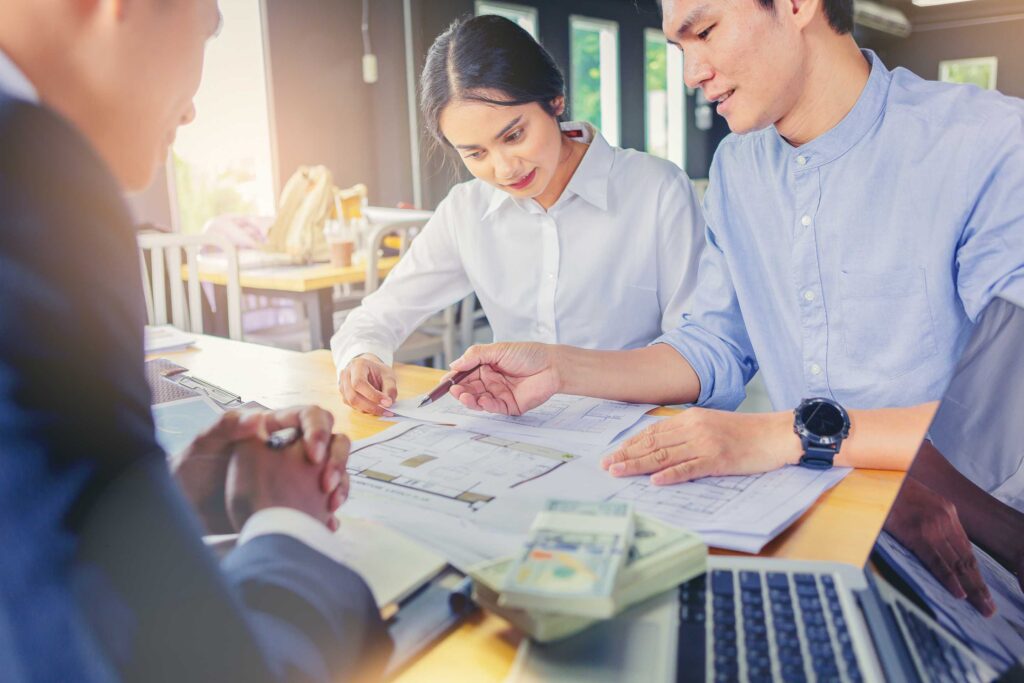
(221,162)
(523,15)
(664,98)
(594,77)
(980,71)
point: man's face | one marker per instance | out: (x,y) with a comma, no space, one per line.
(742,56)
(154,69)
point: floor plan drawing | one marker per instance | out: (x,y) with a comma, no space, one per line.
(589,421)
(460,465)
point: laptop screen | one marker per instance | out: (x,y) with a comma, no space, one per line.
(953,543)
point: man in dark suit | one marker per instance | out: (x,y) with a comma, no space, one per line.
(103,575)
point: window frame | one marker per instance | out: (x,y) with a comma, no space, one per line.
(610,62)
(529,12)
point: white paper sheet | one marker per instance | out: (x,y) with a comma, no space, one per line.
(584,421)
(738,513)
(452,464)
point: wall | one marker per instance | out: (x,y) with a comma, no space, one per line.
(322,110)
(924,49)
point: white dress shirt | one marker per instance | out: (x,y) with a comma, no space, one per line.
(298,525)
(611,265)
(14,82)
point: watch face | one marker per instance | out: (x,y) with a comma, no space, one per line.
(822,419)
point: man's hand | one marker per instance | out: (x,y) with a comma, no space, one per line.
(929,526)
(201,469)
(368,385)
(700,443)
(260,478)
(512,379)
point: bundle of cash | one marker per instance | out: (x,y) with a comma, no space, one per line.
(572,556)
(660,558)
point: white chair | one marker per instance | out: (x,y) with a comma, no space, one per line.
(186,310)
(436,337)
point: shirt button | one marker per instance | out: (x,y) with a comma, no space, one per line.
(805,221)
(802,160)
(809,295)
(551,276)
(815,369)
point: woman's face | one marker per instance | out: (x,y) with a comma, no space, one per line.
(516,149)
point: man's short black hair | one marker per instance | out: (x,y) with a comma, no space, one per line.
(839,13)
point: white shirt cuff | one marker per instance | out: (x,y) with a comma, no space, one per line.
(298,525)
(345,355)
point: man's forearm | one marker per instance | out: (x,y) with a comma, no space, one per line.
(654,374)
(886,438)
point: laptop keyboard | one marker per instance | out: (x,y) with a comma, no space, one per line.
(763,626)
(940,660)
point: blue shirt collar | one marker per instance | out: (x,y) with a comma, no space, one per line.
(852,128)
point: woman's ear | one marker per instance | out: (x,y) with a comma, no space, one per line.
(558,105)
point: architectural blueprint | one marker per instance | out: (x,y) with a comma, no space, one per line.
(587,421)
(451,463)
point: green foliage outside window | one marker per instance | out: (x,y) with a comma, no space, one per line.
(586,75)
(201,197)
(657,63)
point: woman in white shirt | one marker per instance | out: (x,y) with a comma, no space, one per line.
(563,238)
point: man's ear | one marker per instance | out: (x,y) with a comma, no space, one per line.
(802,11)
(558,104)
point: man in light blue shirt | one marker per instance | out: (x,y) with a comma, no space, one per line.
(859,221)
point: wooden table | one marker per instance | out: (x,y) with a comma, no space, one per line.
(311,285)
(841,526)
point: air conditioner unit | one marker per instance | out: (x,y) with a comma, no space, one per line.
(881,18)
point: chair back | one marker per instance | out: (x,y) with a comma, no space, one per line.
(403,223)
(169,252)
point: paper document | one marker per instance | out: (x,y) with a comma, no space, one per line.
(753,505)
(587,421)
(166,338)
(393,565)
(178,423)
(465,467)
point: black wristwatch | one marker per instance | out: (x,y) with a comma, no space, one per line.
(821,424)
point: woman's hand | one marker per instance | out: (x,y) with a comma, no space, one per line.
(368,385)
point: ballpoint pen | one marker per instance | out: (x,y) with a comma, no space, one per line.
(283,438)
(444,386)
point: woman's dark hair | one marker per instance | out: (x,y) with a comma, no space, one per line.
(488,59)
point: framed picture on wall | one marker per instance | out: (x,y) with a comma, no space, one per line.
(979,71)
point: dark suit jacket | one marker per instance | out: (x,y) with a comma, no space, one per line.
(103,575)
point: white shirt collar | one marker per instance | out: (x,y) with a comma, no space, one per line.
(14,82)
(590,181)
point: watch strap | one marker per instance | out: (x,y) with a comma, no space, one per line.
(818,457)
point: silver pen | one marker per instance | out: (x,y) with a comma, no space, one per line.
(283,438)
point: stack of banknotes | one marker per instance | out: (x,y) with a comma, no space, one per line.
(659,558)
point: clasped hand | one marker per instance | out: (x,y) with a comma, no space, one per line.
(228,473)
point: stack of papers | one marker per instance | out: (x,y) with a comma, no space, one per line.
(470,483)
(165,338)
(660,558)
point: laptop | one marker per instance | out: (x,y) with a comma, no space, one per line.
(764,619)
